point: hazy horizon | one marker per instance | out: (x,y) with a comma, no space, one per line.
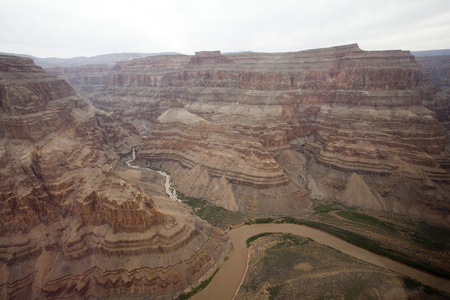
(67,29)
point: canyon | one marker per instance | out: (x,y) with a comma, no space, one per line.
(84,211)
(74,220)
(267,133)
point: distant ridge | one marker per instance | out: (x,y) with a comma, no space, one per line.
(431,52)
(112,58)
(104,59)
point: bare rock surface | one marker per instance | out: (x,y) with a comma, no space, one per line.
(74,222)
(439,67)
(375,114)
(227,168)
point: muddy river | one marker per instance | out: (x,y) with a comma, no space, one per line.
(229,278)
(227,281)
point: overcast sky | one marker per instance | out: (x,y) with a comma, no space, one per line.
(66,28)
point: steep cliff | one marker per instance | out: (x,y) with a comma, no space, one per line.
(226,167)
(439,67)
(357,116)
(74,222)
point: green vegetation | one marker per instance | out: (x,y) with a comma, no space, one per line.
(335,206)
(434,231)
(421,234)
(412,284)
(200,287)
(154,166)
(366,220)
(431,237)
(289,266)
(324,208)
(260,221)
(313,224)
(217,216)
(273,291)
(365,242)
(255,237)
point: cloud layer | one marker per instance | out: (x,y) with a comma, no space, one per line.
(48,28)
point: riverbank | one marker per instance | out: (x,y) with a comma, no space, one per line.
(226,282)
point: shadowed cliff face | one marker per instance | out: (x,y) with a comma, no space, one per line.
(439,67)
(73,221)
(363,119)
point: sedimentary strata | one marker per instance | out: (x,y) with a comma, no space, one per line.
(71,225)
(362,119)
(226,167)
(439,68)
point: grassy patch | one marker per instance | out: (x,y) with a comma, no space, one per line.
(325,208)
(264,221)
(260,221)
(255,237)
(290,220)
(366,220)
(217,216)
(431,237)
(292,267)
(375,247)
(200,287)
(293,239)
(365,242)
(273,291)
(412,284)
(154,166)
(434,231)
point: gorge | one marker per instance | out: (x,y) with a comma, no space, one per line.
(259,134)
(74,221)
(365,117)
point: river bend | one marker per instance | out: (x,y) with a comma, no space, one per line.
(227,281)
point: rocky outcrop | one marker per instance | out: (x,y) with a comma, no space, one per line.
(349,111)
(73,224)
(439,68)
(227,168)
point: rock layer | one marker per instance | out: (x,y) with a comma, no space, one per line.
(349,111)
(227,168)
(439,67)
(71,225)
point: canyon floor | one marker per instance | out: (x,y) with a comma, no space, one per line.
(284,266)
(353,144)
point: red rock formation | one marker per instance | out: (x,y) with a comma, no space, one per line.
(71,226)
(227,168)
(352,111)
(439,67)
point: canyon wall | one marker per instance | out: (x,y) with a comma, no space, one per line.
(269,131)
(74,221)
(439,67)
